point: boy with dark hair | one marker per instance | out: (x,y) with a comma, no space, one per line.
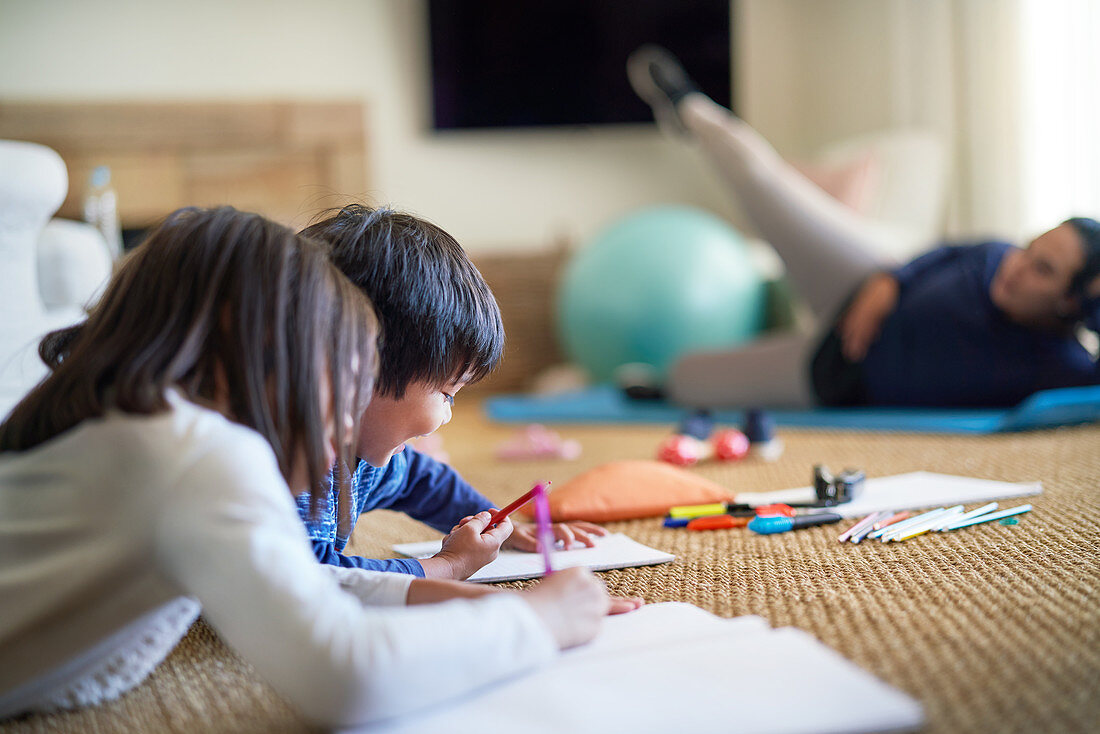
(441,331)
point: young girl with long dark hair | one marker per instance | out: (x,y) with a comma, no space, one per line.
(152,476)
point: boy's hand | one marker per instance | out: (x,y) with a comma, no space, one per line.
(525,536)
(467,548)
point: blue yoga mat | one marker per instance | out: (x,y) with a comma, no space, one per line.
(606,404)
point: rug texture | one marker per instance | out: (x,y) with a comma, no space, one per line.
(993,628)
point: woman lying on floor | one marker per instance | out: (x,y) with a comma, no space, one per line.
(975,325)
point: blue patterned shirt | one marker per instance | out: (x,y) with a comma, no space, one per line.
(418,485)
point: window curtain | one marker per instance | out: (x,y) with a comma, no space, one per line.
(1060,43)
(1012,86)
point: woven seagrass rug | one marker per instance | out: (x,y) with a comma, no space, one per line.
(993,628)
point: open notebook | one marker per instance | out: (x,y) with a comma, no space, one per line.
(611,551)
(673,667)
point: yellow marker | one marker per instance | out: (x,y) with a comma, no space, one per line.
(689,511)
(913,534)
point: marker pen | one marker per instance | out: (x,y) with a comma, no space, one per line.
(779,524)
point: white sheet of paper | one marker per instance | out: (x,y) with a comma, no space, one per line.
(612,551)
(912,491)
(674,667)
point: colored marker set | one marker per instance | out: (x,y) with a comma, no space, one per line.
(888,526)
(764,520)
(829,491)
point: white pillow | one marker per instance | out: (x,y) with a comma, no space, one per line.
(73,264)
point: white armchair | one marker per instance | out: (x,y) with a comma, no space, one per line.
(907,182)
(46,272)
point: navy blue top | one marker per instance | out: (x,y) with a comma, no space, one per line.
(410,482)
(946,344)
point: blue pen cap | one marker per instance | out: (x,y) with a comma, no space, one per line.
(677,522)
(759,426)
(771,524)
(699,424)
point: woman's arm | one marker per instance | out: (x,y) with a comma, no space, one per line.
(861,323)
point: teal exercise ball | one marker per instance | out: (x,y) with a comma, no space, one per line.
(655,285)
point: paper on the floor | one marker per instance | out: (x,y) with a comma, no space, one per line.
(611,551)
(913,491)
(674,667)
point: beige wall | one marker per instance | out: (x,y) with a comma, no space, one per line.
(809,71)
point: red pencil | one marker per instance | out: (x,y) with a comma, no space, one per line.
(515,505)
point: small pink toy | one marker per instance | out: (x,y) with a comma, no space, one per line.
(538,442)
(696,440)
(731,445)
(681,450)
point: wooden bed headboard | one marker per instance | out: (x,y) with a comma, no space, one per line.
(285,159)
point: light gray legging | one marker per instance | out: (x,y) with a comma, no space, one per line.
(828,250)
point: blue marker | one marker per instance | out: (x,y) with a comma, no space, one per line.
(677,522)
(780,524)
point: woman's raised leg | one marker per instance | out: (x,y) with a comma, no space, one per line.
(828,248)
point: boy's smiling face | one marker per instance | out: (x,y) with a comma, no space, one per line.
(389,422)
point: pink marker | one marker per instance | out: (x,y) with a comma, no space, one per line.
(542,521)
(897,517)
(859,526)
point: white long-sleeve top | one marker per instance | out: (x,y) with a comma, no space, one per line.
(113,533)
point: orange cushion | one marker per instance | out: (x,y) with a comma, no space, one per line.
(625,490)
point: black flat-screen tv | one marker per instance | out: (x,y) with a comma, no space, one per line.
(521,63)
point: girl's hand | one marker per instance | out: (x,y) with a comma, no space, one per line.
(624,604)
(525,536)
(571,603)
(860,325)
(467,548)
